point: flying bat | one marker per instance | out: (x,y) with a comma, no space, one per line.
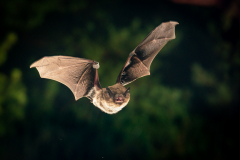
(81,75)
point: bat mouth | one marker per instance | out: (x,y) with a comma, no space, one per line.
(119,100)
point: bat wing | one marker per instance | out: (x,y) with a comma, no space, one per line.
(140,59)
(79,75)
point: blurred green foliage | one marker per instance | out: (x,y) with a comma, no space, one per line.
(186,109)
(13,96)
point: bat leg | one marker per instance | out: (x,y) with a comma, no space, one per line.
(91,100)
(96,80)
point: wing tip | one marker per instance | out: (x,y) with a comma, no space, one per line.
(32,65)
(174,22)
(35,64)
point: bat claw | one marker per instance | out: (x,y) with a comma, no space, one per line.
(96,65)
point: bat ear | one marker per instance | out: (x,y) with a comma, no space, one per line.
(127,91)
(109,92)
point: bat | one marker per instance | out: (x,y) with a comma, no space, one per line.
(81,75)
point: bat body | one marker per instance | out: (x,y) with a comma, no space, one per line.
(111,99)
(81,75)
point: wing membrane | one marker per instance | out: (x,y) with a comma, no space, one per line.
(140,59)
(77,74)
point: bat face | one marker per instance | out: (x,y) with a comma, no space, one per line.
(115,98)
(116,94)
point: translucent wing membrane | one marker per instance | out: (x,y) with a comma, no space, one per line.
(140,59)
(77,74)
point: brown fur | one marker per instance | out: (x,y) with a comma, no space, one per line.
(107,103)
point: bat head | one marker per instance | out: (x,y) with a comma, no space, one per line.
(115,97)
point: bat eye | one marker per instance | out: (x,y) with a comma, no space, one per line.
(127,91)
(110,94)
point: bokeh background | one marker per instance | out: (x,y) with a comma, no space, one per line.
(187,109)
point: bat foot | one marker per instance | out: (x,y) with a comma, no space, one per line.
(91,100)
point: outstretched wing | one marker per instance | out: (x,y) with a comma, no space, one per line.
(140,59)
(79,75)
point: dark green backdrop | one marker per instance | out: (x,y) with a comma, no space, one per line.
(186,109)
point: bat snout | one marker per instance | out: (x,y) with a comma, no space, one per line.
(119,99)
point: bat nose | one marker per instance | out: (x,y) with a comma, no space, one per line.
(118,99)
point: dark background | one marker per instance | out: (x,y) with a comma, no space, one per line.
(186,109)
